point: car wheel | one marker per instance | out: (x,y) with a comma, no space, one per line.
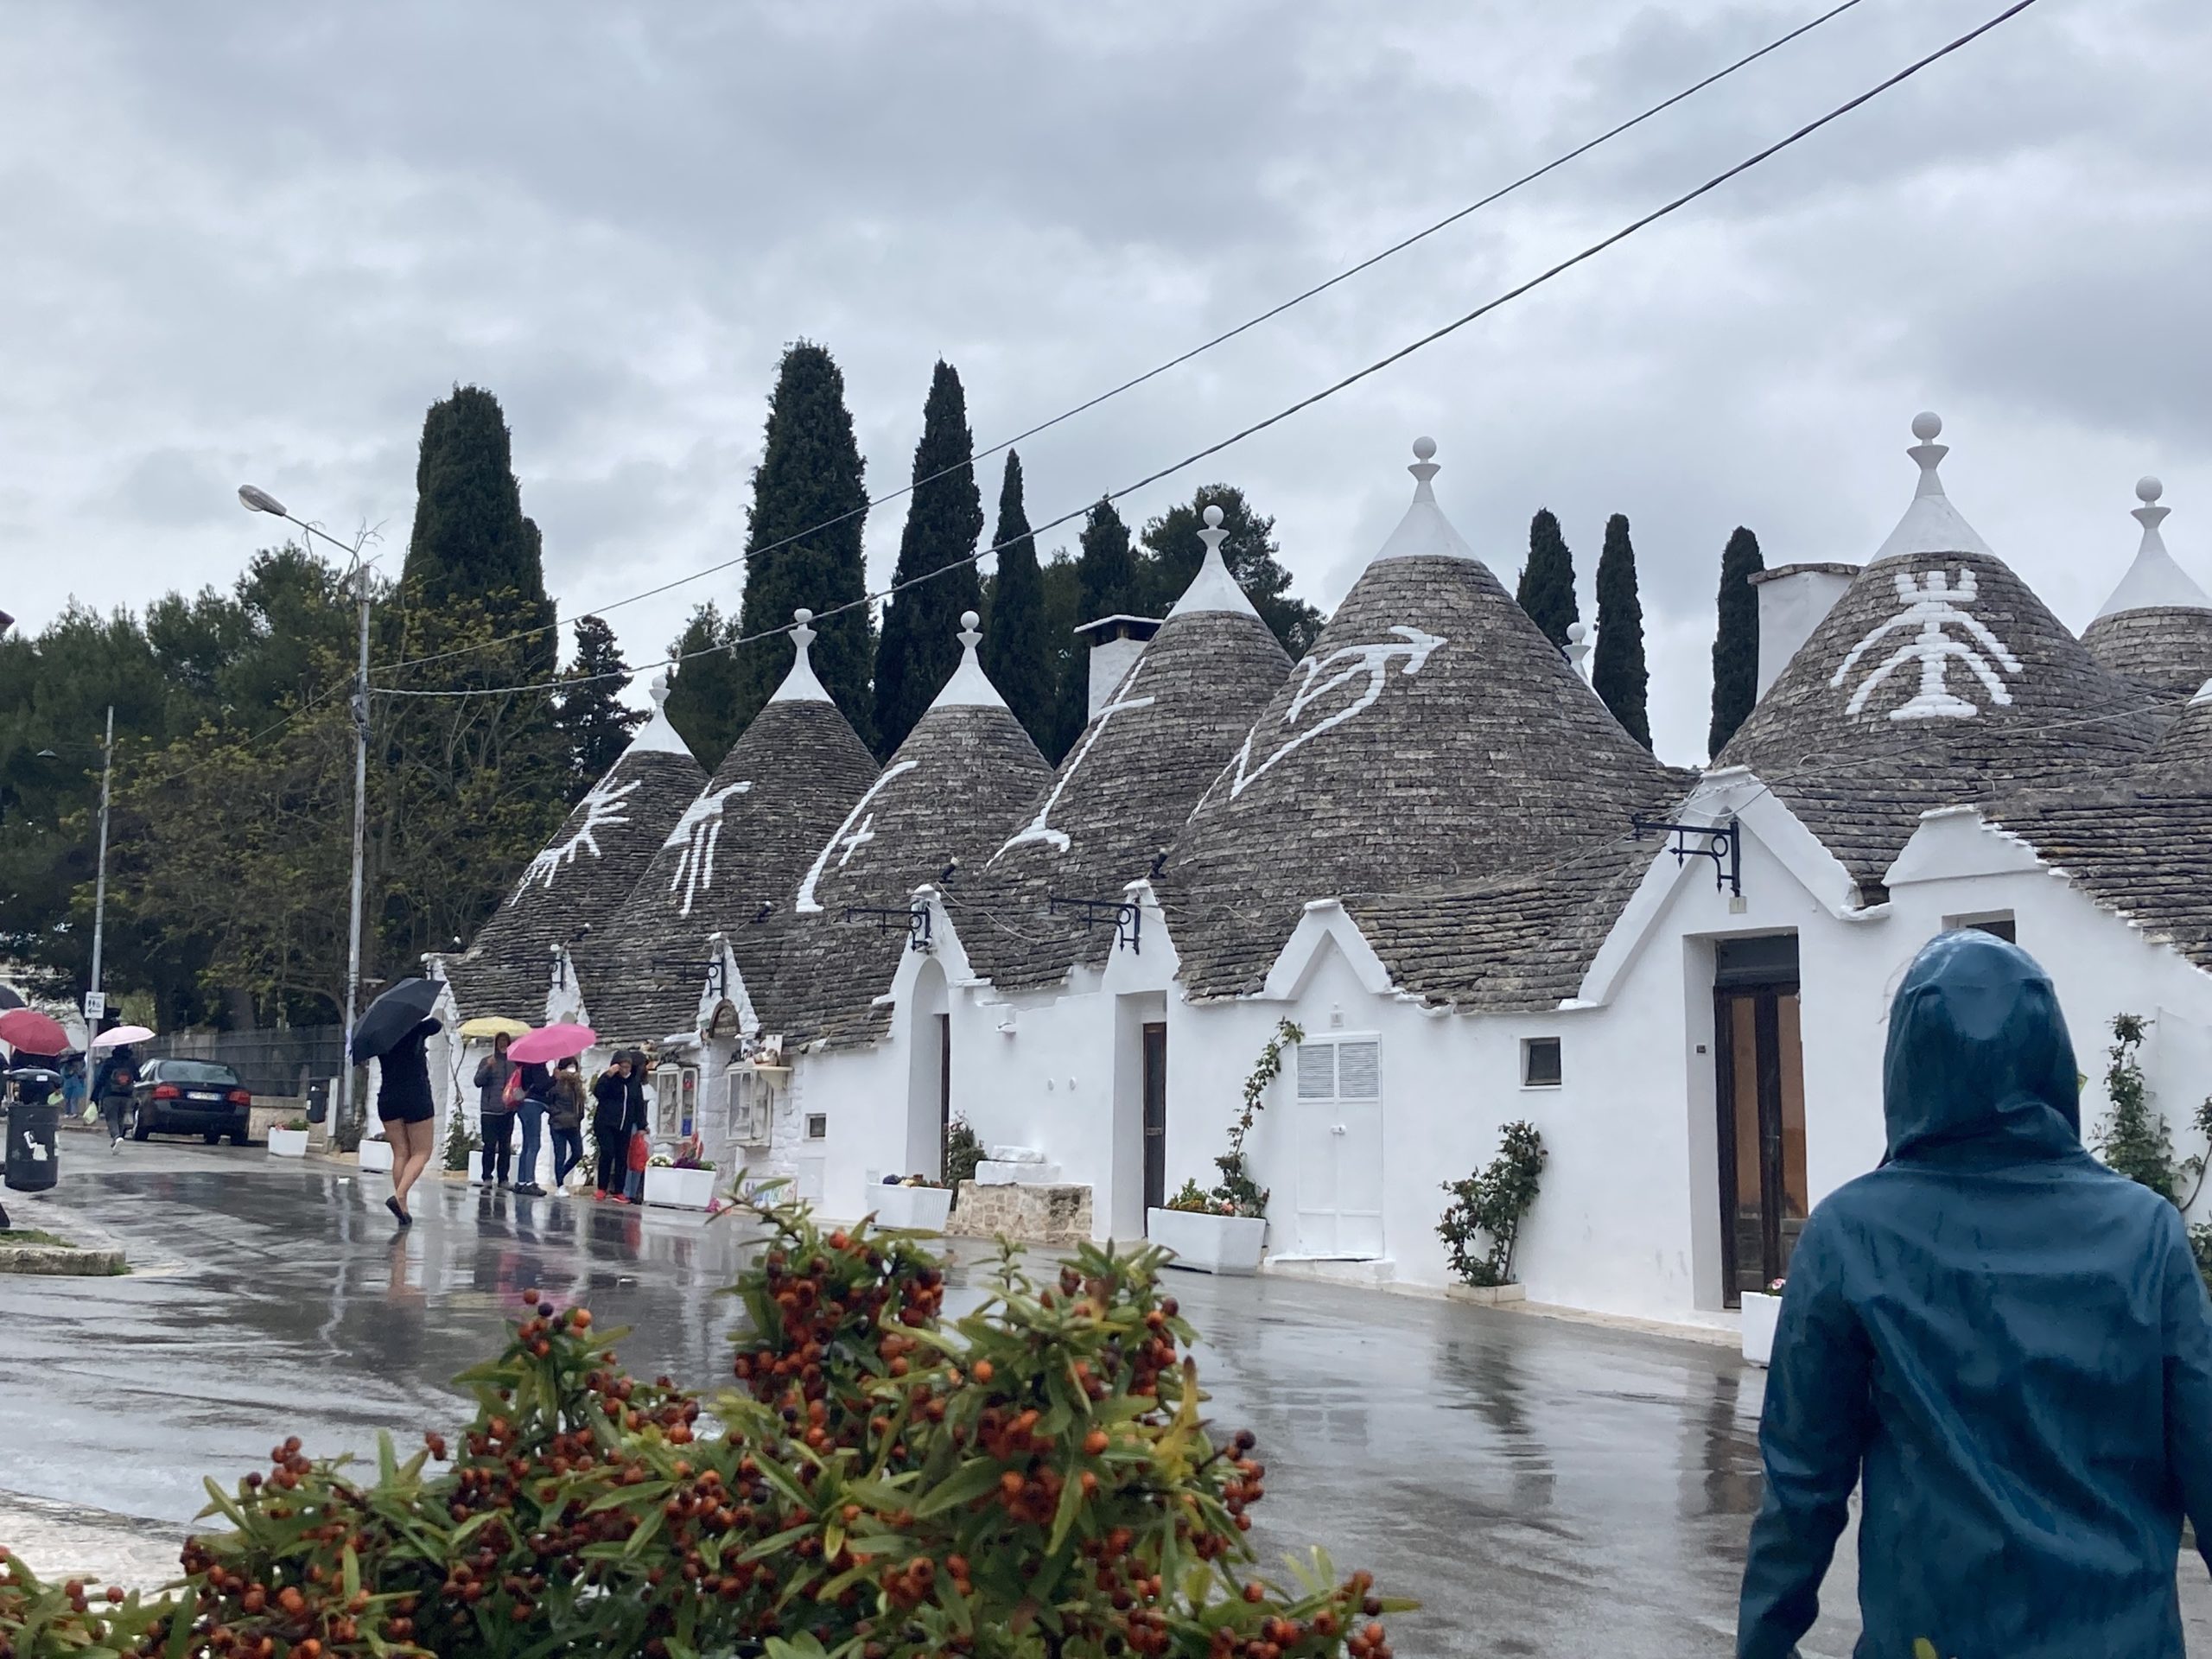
(211,1137)
(240,1138)
(140,1128)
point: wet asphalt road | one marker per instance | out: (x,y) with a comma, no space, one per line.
(1542,1487)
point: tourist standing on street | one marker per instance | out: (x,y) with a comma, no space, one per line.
(2007,1343)
(409,1113)
(609,1093)
(112,1086)
(638,1120)
(565,1117)
(75,1086)
(495,1112)
(536,1082)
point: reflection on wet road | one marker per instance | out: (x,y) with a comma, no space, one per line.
(1543,1488)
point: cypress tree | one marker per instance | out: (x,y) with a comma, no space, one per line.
(811,473)
(1616,668)
(1547,590)
(593,719)
(470,540)
(944,515)
(704,684)
(1736,641)
(1173,553)
(1017,654)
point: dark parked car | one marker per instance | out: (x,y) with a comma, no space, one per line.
(190,1098)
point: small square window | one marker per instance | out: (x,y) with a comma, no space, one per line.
(1998,923)
(1540,1063)
(818,1125)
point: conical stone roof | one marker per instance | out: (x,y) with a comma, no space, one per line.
(1433,735)
(943,799)
(2156,630)
(732,854)
(580,878)
(1938,679)
(1125,787)
(2184,748)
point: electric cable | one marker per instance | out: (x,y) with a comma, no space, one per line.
(1223,339)
(1288,410)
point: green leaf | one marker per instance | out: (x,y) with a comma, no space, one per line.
(220,1502)
(976,1477)
(777,1544)
(1070,1501)
(350,1565)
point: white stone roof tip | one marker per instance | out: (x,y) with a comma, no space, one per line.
(802,685)
(1931,523)
(1425,532)
(969,687)
(657,735)
(1213,589)
(2154,580)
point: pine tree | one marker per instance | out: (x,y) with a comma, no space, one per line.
(704,686)
(1735,642)
(1017,653)
(470,540)
(810,486)
(1547,590)
(944,515)
(590,713)
(1616,668)
(1106,585)
(1173,553)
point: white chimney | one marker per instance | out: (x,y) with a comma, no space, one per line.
(1115,643)
(1793,599)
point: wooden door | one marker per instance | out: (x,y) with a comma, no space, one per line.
(944,1089)
(1155,1114)
(1761,1094)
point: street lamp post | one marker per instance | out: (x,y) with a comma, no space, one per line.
(259,500)
(98,1004)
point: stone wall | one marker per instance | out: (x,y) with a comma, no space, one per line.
(1038,1215)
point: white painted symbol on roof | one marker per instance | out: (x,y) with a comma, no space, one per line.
(1933,604)
(857,840)
(806,904)
(1373,661)
(1039,828)
(698,832)
(605,808)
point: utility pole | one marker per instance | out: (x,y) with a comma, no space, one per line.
(361,812)
(259,500)
(99,883)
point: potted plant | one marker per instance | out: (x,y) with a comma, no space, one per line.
(1208,1233)
(374,1153)
(685,1181)
(1482,1224)
(290,1140)
(914,1202)
(1761,1310)
(1226,1230)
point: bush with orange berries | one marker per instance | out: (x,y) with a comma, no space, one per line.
(1033,1478)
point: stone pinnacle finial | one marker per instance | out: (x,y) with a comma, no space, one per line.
(2150,515)
(658,691)
(1424,468)
(1927,426)
(1577,645)
(970,630)
(801,635)
(1213,535)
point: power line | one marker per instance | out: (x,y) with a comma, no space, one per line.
(1176,362)
(1349,380)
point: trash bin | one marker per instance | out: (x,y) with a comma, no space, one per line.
(34,1118)
(318,1101)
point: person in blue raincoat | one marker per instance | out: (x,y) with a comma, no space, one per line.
(2007,1341)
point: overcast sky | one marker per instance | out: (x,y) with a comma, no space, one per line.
(254,242)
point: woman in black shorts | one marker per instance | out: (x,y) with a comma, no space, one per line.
(409,1115)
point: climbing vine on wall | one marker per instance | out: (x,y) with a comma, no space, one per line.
(1484,1222)
(1237,1186)
(2133,1140)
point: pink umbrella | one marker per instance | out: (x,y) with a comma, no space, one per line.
(123,1034)
(29,1032)
(551,1043)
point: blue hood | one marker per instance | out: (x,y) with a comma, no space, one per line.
(1979,1053)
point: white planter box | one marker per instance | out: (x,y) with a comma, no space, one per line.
(991,1173)
(1209,1244)
(1760,1313)
(375,1154)
(1487,1295)
(288,1143)
(925,1209)
(680,1189)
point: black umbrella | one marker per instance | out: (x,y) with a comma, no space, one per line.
(9,998)
(391,1016)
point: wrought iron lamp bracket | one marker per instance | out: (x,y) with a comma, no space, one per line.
(1126,914)
(915,919)
(1724,845)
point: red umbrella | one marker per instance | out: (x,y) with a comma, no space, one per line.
(551,1043)
(29,1032)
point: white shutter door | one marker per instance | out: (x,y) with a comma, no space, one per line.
(1317,1177)
(1359,1150)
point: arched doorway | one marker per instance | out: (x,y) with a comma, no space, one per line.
(929,1085)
